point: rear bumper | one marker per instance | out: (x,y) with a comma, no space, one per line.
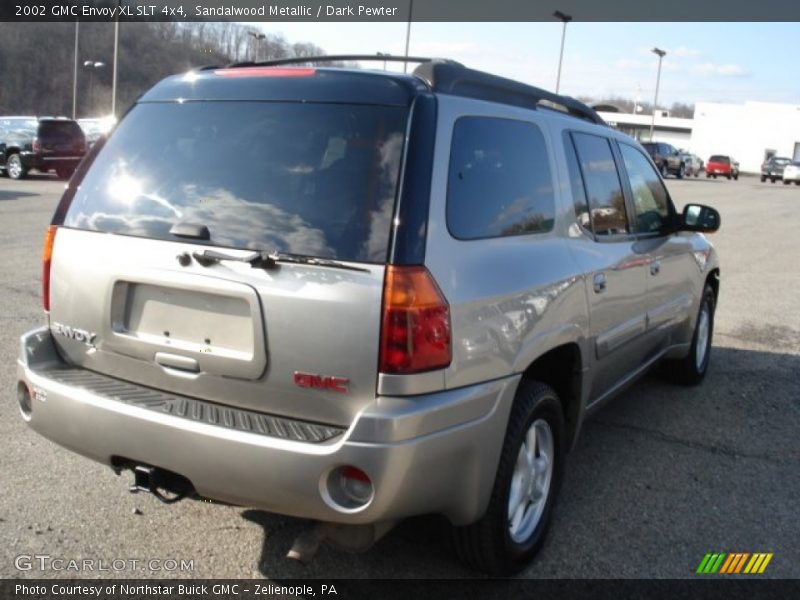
(44,163)
(435,453)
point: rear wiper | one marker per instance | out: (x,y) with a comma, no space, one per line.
(268,260)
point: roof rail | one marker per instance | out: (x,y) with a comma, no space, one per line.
(341,57)
(453,78)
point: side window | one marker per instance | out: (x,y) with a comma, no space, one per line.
(650,201)
(606,202)
(499,181)
(579,202)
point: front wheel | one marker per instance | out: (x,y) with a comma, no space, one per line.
(64,172)
(786,182)
(513,529)
(664,170)
(681,171)
(15,168)
(736,177)
(692,369)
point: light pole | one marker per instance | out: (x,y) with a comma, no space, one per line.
(75,75)
(408,32)
(661,54)
(564,18)
(257,37)
(92,66)
(114,70)
(384,54)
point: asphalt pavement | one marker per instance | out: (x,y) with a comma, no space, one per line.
(660,477)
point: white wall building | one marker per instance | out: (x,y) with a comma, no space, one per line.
(749,132)
(670,130)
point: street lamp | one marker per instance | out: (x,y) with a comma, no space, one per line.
(92,66)
(661,54)
(564,18)
(257,37)
(384,54)
(408,31)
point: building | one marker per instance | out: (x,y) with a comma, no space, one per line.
(749,132)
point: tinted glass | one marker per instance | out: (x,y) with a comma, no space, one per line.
(315,179)
(602,184)
(650,203)
(579,202)
(60,130)
(499,182)
(719,159)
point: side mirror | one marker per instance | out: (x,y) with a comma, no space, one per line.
(699,217)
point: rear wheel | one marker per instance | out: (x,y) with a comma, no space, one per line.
(681,171)
(797,182)
(692,369)
(763,178)
(531,463)
(772,180)
(736,177)
(664,170)
(15,168)
(786,182)
(64,172)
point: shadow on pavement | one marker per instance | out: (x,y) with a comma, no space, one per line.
(653,483)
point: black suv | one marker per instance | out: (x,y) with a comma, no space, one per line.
(40,143)
(667,158)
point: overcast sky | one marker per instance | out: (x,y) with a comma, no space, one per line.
(716,62)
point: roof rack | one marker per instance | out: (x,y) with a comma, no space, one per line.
(453,78)
(341,57)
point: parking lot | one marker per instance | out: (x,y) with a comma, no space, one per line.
(662,476)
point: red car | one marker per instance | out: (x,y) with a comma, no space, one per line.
(720,164)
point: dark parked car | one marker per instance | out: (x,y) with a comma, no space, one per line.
(772,168)
(667,158)
(720,164)
(43,144)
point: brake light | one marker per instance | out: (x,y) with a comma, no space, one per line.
(266,72)
(47,255)
(415,332)
(37,145)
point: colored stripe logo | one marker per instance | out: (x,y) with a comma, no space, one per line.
(734,563)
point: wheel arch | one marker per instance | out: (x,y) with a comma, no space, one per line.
(562,368)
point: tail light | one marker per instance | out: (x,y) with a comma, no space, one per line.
(415,332)
(37,145)
(47,255)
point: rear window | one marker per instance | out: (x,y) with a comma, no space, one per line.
(499,182)
(61,129)
(306,178)
(719,159)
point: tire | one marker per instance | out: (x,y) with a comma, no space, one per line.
(797,182)
(64,172)
(786,182)
(15,168)
(715,175)
(692,369)
(664,170)
(681,171)
(494,544)
(736,177)
(763,178)
(772,180)
(708,175)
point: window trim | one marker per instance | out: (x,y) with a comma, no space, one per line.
(548,149)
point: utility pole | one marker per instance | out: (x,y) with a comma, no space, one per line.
(114,70)
(564,18)
(75,74)
(408,32)
(661,54)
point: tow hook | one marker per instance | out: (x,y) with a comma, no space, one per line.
(153,480)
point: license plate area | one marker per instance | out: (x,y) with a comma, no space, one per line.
(216,323)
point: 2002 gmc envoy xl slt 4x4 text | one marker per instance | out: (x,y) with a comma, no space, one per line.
(356,296)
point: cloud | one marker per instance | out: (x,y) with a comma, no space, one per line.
(729,70)
(684,52)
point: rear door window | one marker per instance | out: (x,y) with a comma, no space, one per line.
(606,201)
(60,130)
(499,180)
(307,178)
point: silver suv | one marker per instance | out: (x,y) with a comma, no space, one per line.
(356,296)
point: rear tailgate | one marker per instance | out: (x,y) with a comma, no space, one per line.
(310,179)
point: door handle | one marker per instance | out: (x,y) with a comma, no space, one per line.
(655,267)
(599,283)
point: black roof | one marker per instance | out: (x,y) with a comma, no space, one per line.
(258,81)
